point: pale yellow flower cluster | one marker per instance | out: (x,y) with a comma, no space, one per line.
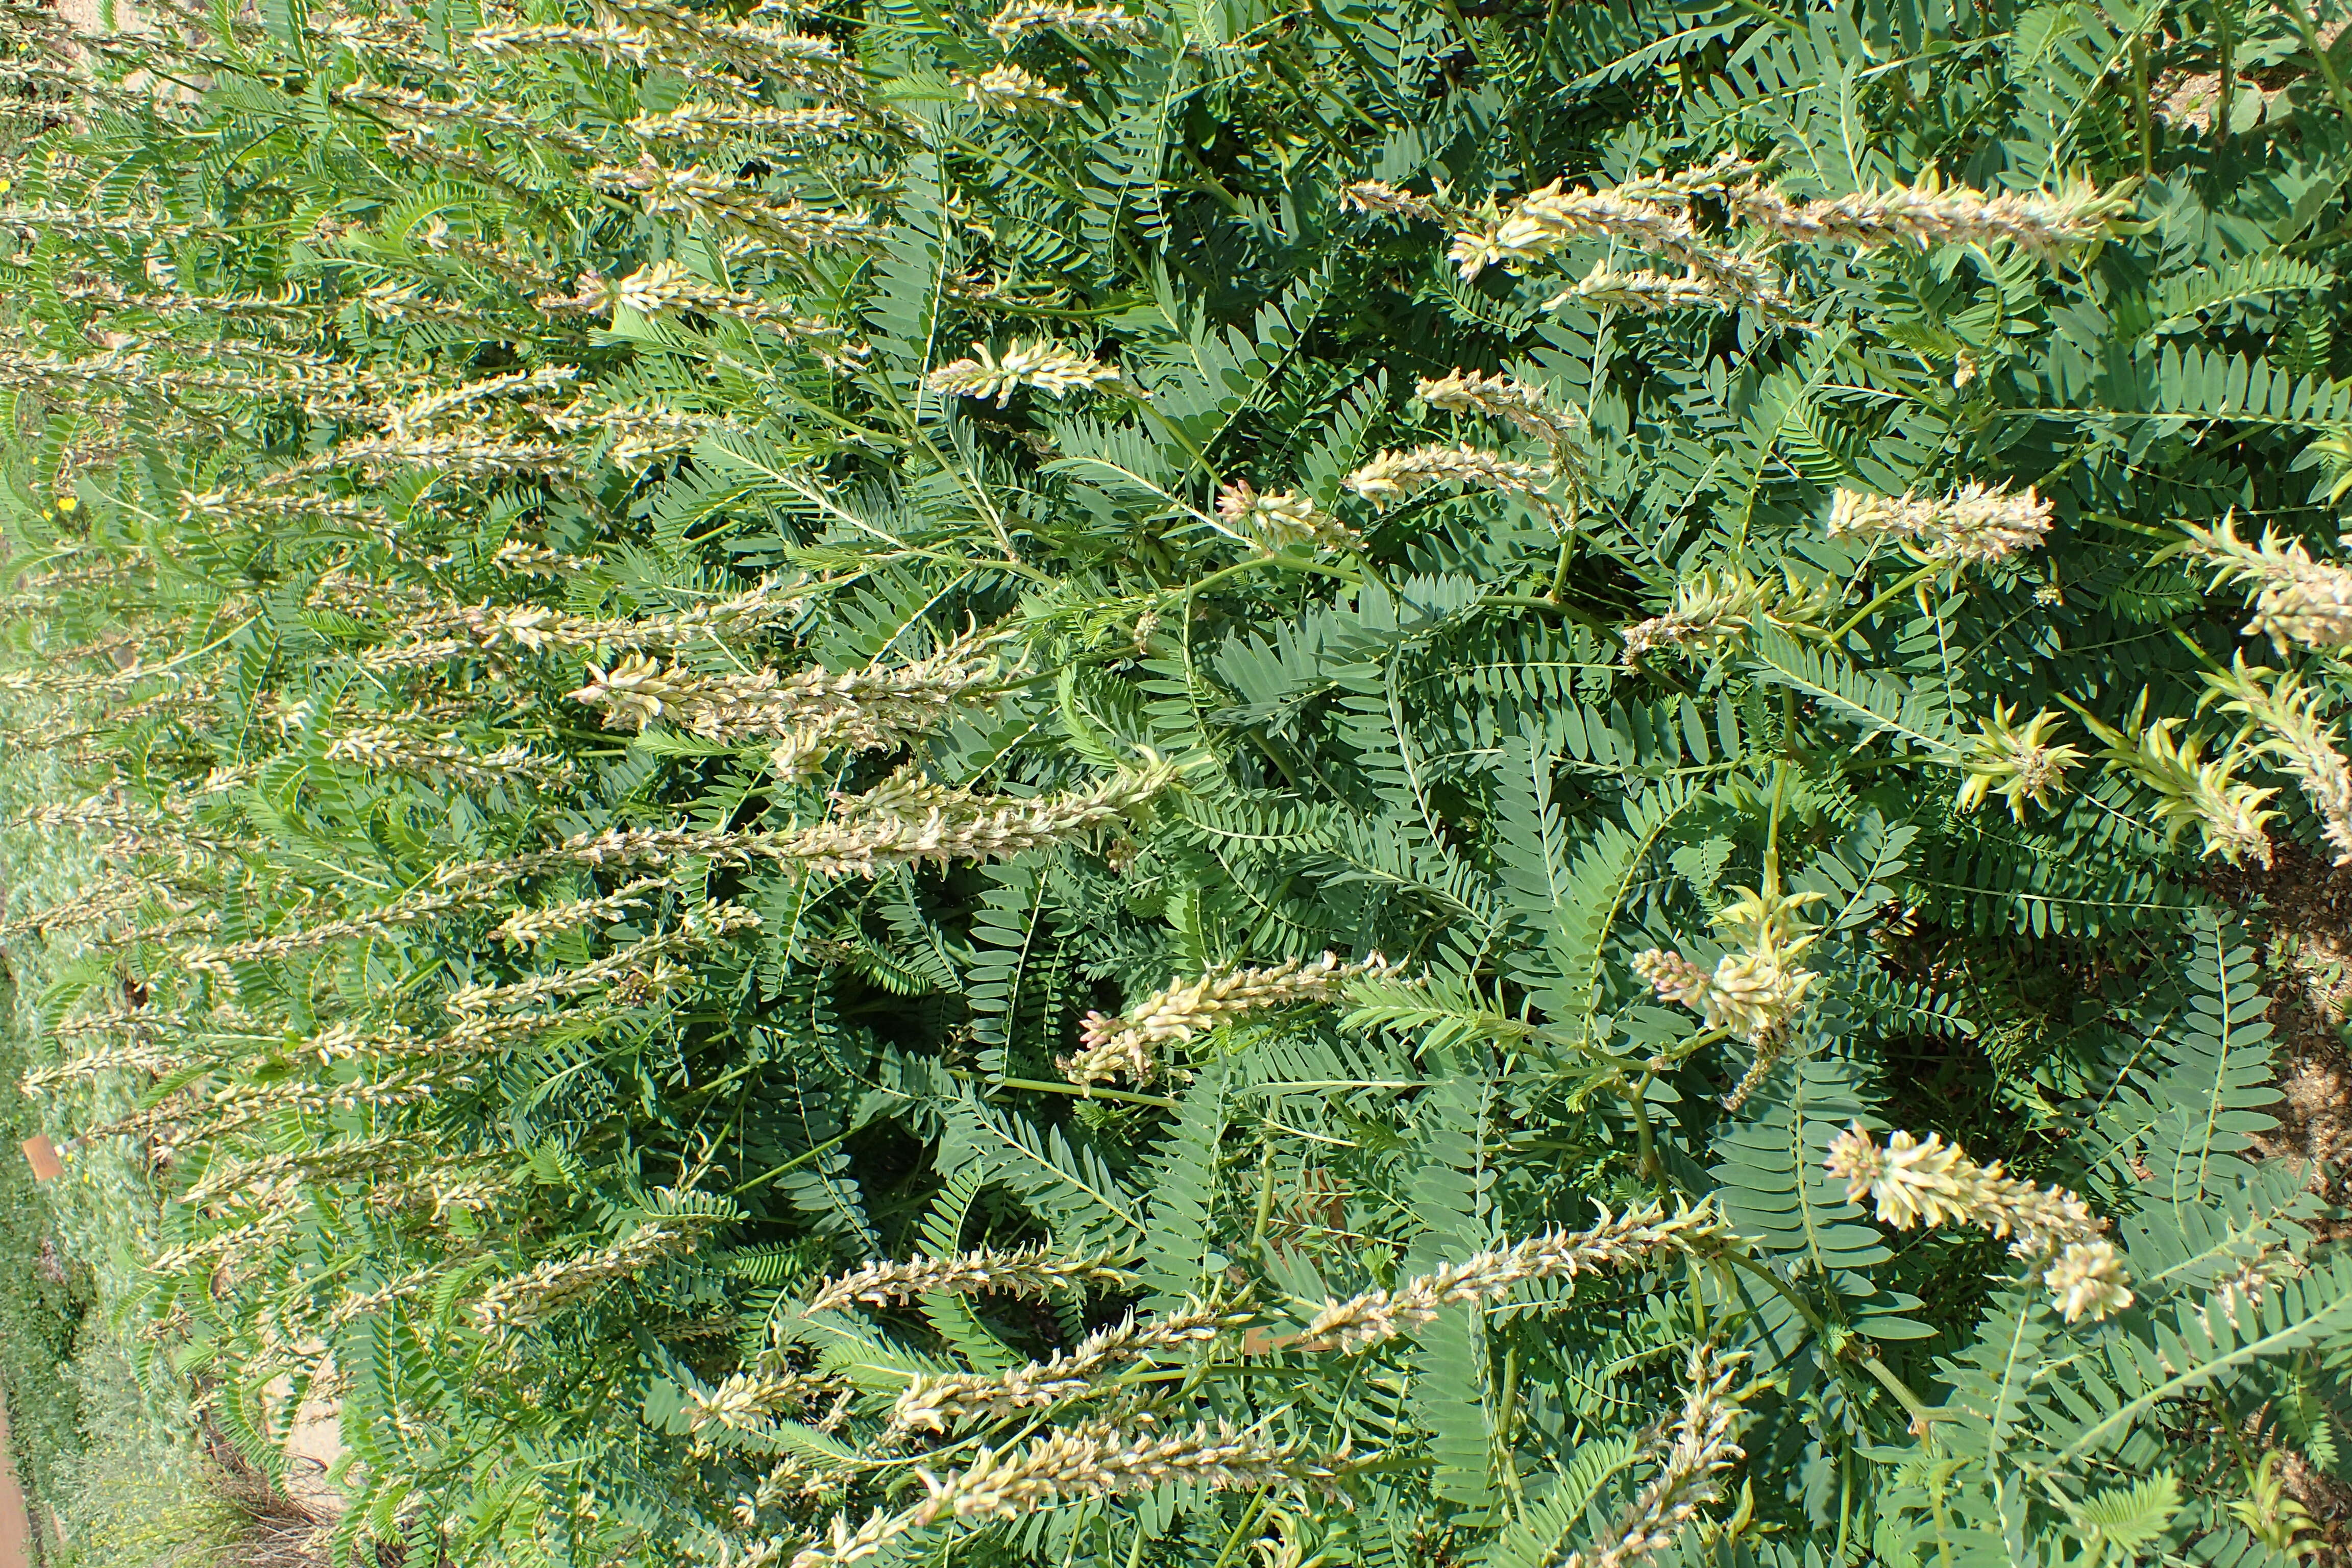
(938,1402)
(139,1056)
(696,46)
(389,748)
(409,910)
(1283,520)
(456,454)
(255,1237)
(631,972)
(742,1401)
(1649,292)
(116,893)
(2046,223)
(614,846)
(2302,600)
(1184,1008)
(1717,609)
(1374,196)
(436,404)
(1752,992)
(1652,215)
(240,1105)
(432,632)
(1086,1461)
(1972,526)
(2017,765)
(1535,225)
(248,507)
(326,1163)
(1019,19)
(1617,1241)
(521,1300)
(1502,397)
(1104,1462)
(1913,1183)
(2306,744)
(525,559)
(667,288)
(709,124)
(2230,814)
(1050,368)
(1009,89)
(529,927)
(1023,1271)
(704,195)
(879,708)
(1690,1470)
(954,825)
(1395,476)
(466,112)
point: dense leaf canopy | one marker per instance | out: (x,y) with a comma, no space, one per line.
(1316,736)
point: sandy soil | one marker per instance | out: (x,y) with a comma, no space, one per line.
(16,1532)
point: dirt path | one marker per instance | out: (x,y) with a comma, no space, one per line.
(16,1533)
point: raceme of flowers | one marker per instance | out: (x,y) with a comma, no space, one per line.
(1126,1044)
(2300,600)
(1914,1181)
(1753,992)
(1972,526)
(2018,763)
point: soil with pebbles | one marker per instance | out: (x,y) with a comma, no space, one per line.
(2299,912)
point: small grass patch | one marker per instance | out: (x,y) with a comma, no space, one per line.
(48,1302)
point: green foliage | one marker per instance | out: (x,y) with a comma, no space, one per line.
(708,646)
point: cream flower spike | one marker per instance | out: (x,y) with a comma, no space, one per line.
(1185,1008)
(1009,89)
(1972,526)
(1395,476)
(1051,369)
(2231,815)
(2304,744)
(2017,765)
(1521,403)
(1719,609)
(1915,1181)
(1283,520)
(2046,223)
(2302,600)
(1019,19)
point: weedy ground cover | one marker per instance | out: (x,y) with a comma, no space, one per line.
(1099,783)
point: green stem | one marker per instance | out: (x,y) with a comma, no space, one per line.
(1647,1142)
(2139,86)
(794,1163)
(1893,591)
(1781,1287)
(1302,94)
(2191,644)
(1255,562)
(1040,1086)
(1355,51)
(2303,25)
(1550,607)
(2228,69)
(1264,1201)
(1507,1404)
(1922,1418)
(1208,183)
(1242,1530)
(1184,439)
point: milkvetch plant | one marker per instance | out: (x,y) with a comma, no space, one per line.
(1053,784)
